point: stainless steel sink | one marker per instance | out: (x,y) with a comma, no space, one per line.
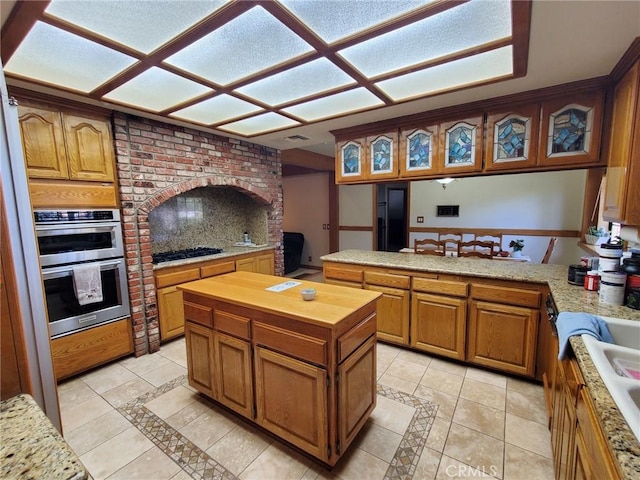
(618,364)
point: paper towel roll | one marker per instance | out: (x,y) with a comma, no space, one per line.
(630,234)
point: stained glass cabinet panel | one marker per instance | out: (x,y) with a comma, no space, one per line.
(352,155)
(571,131)
(462,145)
(382,156)
(512,138)
(419,151)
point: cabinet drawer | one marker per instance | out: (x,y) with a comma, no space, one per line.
(198,314)
(217,269)
(351,340)
(291,343)
(232,324)
(510,296)
(175,278)
(387,280)
(343,273)
(441,287)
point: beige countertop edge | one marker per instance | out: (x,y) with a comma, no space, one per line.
(570,298)
(31,447)
(227,253)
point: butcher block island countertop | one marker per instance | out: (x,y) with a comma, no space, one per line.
(302,370)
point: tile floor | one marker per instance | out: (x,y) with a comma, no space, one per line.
(138,418)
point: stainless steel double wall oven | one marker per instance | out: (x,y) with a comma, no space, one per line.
(67,239)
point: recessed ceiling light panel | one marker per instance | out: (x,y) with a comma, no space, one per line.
(157,90)
(246,45)
(346,102)
(463,27)
(441,78)
(334,20)
(141,25)
(216,110)
(266,122)
(307,79)
(59,58)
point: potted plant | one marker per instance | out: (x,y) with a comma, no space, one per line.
(516,246)
(595,236)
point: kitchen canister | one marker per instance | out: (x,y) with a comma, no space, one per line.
(592,281)
(610,255)
(612,285)
(576,274)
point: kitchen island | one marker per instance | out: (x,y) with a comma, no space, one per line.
(303,370)
(448,289)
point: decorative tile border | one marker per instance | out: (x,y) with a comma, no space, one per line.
(199,465)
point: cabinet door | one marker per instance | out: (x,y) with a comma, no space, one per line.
(393,314)
(200,358)
(356,391)
(503,337)
(298,415)
(246,265)
(89,148)
(233,374)
(438,324)
(419,152)
(512,138)
(382,156)
(581,470)
(571,130)
(264,264)
(350,161)
(43,143)
(170,312)
(623,158)
(462,144)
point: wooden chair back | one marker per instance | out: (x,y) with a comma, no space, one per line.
(476,248)
(429,246)
(495,237)
(549,252)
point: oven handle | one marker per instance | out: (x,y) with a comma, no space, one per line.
(58,272)
(60,229)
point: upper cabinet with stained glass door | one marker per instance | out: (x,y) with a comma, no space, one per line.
(512,138)
(571,130)
(419,153)
(382,156)
(350,163)
(462,144)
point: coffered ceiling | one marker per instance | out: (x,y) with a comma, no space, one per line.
(284,72)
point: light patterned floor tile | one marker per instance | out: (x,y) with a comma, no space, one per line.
(451,468)
(238,448)
(171,402)
(152,464)
(388,414)
(428,465)
(445,401)
(208,428)
(524,386)
(72,392)
(415,357)
(126,392)
(520,463)
(84,412)
(164,374)
(276,462)
(487,420)
(491,378)
(358,464)
(96,432)
(527,406)
(438,434)
(378,441)
(447,366)
(527,434)
(108,377)
(484,393)
(409,371)
(398,383)
(475,449)
(145,363)
(442,380)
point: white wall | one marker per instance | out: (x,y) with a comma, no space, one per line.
(306,210)
(355,204)
(545,201)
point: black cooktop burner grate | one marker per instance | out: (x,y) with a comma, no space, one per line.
(182,254)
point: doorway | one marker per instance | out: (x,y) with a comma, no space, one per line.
(391,216)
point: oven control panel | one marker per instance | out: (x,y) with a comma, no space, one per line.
(70,216)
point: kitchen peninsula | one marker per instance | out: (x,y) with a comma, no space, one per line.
(314,362)
(493,314)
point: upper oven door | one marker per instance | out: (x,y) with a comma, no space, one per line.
(69,243)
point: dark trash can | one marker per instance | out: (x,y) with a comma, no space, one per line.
(293,243)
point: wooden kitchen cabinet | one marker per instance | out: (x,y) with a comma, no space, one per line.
(439,317)
(382,156)
(350,161)
(622,195)
(89,148)
(461,144)
(393,306)
(170,312)
(257,264)
(343,274)
(512,138)
(247,346)
(546,361)
(420,152)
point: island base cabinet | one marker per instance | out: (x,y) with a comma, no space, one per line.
(356,392)
(393,314)
(503,337)
(233,373)
(291,401)
(200,358)
(439,324)
(170,312)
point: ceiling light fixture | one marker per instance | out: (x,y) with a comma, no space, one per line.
(445,181)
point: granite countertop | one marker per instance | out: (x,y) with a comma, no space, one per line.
(31,448)
(231,251)
(568,298)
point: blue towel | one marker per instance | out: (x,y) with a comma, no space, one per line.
(569,324)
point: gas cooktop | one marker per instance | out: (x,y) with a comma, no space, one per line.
(183,254)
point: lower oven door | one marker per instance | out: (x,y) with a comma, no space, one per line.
(66,315)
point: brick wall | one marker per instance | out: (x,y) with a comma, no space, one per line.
(156,161)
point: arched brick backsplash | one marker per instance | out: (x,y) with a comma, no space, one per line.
(157,161)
